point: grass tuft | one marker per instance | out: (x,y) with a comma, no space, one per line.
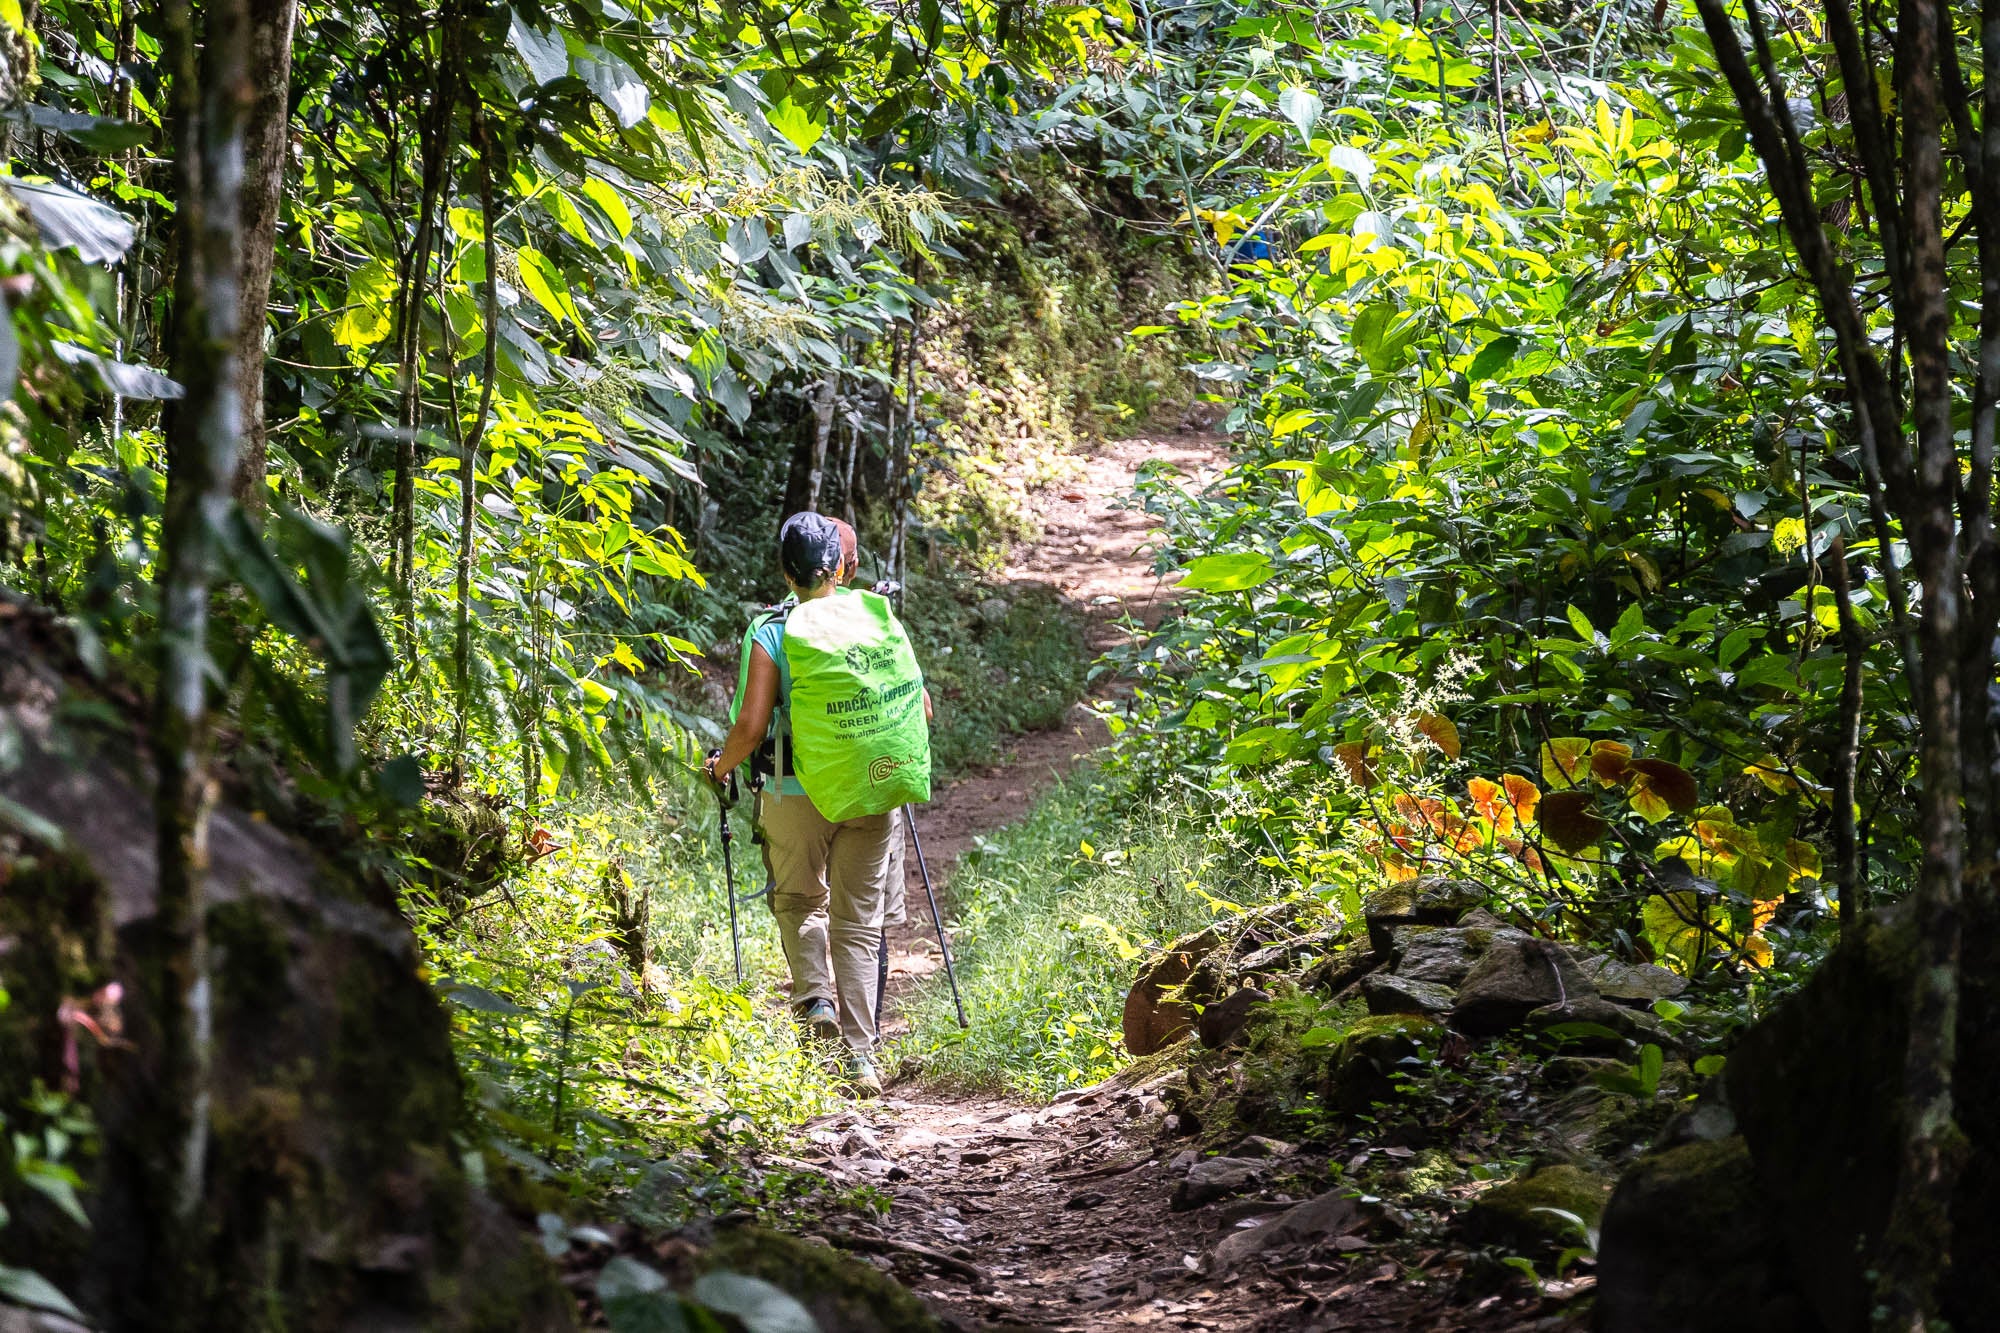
(1052,917)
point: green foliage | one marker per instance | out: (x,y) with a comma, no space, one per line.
(1051,916)
(594,1022)
(991,675)
(1530,419)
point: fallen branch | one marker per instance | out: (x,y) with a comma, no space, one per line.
(1103,1171)
(847,1240)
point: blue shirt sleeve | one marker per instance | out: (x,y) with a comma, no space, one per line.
(771,638)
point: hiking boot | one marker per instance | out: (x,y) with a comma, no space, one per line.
(862,1079)
(819,1020)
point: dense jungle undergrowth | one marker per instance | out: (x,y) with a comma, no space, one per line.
(1503,493)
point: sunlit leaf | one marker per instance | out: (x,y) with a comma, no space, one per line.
(795,123)
(1663,787)
(1232,571)
(1354,757)
(1438,729)
(1608,762)
(1565,761)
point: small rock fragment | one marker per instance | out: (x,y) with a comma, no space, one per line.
(1256,1145)
(1333,1213)
(1216,1178)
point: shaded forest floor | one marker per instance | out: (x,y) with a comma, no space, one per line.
(1002,1214)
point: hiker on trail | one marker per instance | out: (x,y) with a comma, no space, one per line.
(832,681)
(895,908)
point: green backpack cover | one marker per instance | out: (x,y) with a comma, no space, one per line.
(860,742)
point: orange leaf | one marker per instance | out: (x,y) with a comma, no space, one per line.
(1441,732)
(1523,795)
(1489,802)
(1353,756)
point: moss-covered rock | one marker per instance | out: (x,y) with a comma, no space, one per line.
(1371,1053)
(844,1294)
(1429,902)
(1533,1215)
(1687,1245)
(1815,1088)
(335,1191)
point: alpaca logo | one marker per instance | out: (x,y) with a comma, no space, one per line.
(883,768)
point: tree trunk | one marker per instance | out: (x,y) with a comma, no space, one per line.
(266,141)
(1949,657)
(434,137)
(901,491)
(166,1152)
(822,431)
(468,454)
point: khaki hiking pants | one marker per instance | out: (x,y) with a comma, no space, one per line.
(829,883)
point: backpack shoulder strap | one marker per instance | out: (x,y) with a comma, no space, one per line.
(770,615)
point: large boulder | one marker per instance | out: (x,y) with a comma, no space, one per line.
(1225,1020)
(1539,1215)
(1687,1244)
(340,1191)
(1517,976)
(1390,993)
(1815,1088)
(1363,1070)
(1201,968)
(1629,983)
(1592,1025)
(1158,1011)
(1446,955)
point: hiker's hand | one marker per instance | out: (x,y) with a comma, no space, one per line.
(708,767)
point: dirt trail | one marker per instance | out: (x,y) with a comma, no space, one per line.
(1060,1217)
(1092,552)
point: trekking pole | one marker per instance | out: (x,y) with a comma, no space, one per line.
(937,921)
(722,801)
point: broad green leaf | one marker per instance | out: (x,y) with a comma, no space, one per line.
(1565,762)
(1353,161)
(795,123)
(22,1286)
(1493,358)
(611,204)
(67,220)
(1229,572)
(756,1304)
(1301,106)
(1580,622)
(368,315)
(1293,421)
(543,49)
(616,84)
(546,284)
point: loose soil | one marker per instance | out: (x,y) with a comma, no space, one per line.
(1011,1216)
